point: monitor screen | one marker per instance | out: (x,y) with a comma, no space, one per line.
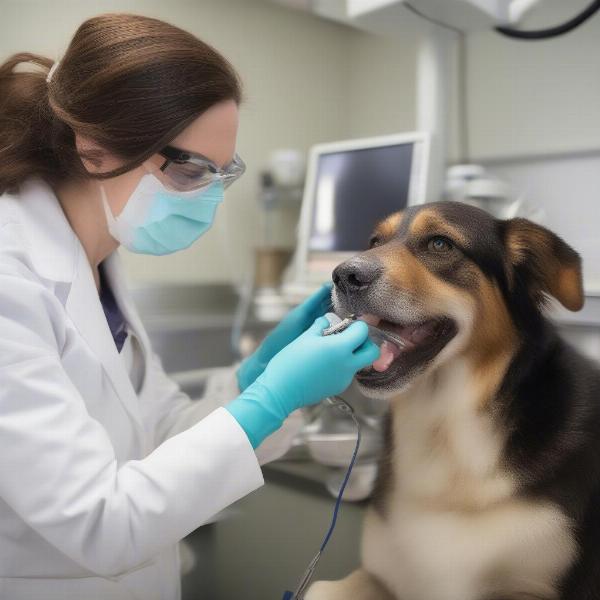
(354,190)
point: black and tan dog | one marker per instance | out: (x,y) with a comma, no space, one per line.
(489,488)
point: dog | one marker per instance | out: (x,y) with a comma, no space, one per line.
(489,485)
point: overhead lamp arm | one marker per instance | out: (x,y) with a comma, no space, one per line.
(543,34)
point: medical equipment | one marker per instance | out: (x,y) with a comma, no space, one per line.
(350,186)
(376,335)
(336,324)
(278,194)
(473,185)
(279,197)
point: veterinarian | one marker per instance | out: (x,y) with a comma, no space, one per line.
(128,140)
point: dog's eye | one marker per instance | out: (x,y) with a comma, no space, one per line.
(440,244)
(374,241)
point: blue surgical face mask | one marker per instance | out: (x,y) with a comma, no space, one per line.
(159,221)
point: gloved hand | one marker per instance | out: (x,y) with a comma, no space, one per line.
(291,326)
(306,371)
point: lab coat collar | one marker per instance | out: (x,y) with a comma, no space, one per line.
(57,255)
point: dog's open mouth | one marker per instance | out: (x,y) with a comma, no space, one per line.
(406,347)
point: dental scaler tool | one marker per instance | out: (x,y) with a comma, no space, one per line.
(337,324)
(377,336)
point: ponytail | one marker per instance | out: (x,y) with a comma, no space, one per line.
(26,122)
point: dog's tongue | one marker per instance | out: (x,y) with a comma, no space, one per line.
(389,352)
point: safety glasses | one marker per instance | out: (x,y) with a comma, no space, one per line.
(186,171)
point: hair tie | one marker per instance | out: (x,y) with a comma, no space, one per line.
(51,71)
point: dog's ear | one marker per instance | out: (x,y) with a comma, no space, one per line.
(544,263)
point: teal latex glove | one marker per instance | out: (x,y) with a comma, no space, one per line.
(305,372)
(291,326)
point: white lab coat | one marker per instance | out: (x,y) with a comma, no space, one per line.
(97,483)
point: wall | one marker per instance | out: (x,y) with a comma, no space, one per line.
(567,188)
(535,97)
(381,85)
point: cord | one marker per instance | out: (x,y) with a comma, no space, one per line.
(543,34)
(539,34)
(310,570)
(347,409)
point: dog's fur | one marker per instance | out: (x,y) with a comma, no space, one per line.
(489,487)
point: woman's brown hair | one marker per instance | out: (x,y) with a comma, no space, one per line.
(130,83)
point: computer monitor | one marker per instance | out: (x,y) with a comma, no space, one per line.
(350,186)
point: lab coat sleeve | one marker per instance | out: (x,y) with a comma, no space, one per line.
(173,411)
(58,469)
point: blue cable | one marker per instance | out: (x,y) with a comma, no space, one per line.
(308,574)
(344,406)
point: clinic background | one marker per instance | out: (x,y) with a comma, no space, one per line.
(532,109)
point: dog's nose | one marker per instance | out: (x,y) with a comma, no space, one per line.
(356,274)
